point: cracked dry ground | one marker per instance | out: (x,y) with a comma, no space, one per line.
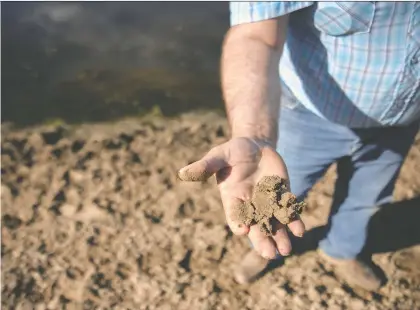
(94,218)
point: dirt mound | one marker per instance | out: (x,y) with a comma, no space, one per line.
(94,218)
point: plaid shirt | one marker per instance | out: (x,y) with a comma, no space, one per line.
(353,63)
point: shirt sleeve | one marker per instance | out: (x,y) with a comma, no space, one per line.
(247,12)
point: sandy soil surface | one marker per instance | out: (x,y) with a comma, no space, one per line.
(94,218)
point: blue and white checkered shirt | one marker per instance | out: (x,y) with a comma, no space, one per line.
(354,63)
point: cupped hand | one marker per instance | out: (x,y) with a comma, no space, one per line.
(239,164)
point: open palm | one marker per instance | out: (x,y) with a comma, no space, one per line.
(239,164)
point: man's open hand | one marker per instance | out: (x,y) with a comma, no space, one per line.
(239,164)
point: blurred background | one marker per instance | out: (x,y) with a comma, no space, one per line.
(75,62)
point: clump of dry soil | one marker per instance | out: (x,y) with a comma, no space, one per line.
(270,200)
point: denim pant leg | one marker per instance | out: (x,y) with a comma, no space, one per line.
(365,182)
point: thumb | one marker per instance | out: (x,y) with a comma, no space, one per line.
(204,168)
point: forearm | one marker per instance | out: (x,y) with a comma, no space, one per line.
(250,80)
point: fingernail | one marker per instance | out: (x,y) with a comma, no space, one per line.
(266,254)
(284,252)
(179,173)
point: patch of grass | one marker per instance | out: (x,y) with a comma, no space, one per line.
(54,122)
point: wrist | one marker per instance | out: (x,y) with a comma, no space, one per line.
(263,135)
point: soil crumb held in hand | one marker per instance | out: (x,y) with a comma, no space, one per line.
(270,200)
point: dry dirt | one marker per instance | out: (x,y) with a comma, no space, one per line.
(270,200)
(94,218)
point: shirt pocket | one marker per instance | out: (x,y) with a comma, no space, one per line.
(344,18)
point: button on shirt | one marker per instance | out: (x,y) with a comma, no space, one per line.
(353,63)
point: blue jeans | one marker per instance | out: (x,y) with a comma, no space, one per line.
(368,163)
